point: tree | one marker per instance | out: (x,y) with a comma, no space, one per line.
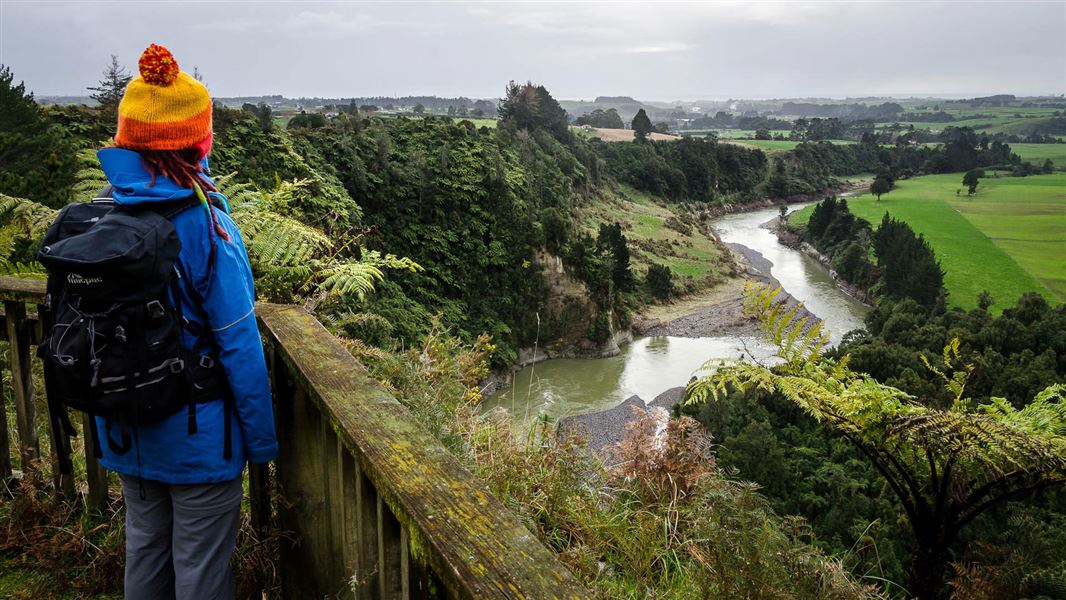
(605,119)
(762,134)
(945,467)
(984,300)
(880,186)
(531,107)
(971,180)
(109,92)
(419,109)
(612,243)
(642,125)
(660,281)
(1049,166)
(36,158)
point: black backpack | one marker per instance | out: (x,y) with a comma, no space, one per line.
(113,322)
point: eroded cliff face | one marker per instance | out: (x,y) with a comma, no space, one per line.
(567,314)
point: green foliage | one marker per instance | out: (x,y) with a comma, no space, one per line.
(641,126)
(470,206)
(1014,355)
(813,167)
(313,120)
(664,522)
(22,224)
(972,179)
(689,169)
(996,240)
(909,268)
(945,466)
(36,159)
(112,86)
(531,107)
(880,186)
(608,119)
(660,282)
(290,258)
(266,158)
(906,266)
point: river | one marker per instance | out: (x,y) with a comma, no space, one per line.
(649,366)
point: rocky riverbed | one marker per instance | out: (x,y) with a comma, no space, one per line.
(725,315)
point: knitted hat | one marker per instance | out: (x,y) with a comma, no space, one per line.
(164,108)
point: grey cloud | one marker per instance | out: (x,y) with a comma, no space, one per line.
(660,50)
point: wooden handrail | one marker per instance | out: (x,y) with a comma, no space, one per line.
(369,503)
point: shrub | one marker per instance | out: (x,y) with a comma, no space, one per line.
(660,281)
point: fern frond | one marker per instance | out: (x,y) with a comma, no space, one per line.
(31,218)
(350,278)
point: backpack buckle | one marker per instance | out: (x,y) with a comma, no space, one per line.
(155,309)
(177,366)
(207,362)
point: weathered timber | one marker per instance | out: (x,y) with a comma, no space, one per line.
(366,574)
(5,438)
(22,384)
(368,503)
(454,525)
(21,289)
(16,293)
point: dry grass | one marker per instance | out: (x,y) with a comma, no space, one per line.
(625,135)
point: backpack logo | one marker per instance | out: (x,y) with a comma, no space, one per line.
(75,279)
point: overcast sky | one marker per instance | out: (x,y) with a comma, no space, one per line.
(652,51)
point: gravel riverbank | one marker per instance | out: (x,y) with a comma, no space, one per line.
(726,315)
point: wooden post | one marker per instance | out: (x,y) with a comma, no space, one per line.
(5,440)
(366,502)
(259,498)
(349,537)
(95,474)
(390,568)
(335,453)
(22,384)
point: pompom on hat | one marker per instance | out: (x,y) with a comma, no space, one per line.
(164,108)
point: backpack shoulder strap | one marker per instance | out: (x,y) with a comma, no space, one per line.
(105,194)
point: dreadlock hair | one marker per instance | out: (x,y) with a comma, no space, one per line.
(183,168)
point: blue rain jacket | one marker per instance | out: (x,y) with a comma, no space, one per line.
(165,451)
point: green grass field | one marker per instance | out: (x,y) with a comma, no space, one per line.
(1037,153)
(773,146)
(1009,239)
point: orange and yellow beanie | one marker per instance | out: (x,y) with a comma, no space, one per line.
(164,108)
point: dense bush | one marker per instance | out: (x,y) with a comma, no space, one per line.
(689,169)
(812,167)
(905,267)
(660,281)
(1015,354)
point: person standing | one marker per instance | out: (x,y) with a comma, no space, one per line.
(182,476)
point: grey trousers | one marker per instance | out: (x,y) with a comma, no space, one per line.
(179,539)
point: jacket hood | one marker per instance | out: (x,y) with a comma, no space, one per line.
(132,183)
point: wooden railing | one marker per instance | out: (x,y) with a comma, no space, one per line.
(367,503)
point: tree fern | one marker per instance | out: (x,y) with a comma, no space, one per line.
(945,466)
(23,223)
(297,260)
(90,178)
